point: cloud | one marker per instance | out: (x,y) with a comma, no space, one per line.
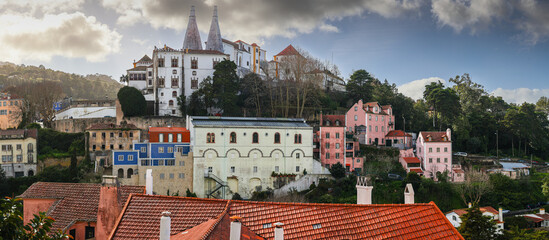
(41,6)
(259,19)
(140,41)
(521,95)
(25,37)
(414,89)
(529,17)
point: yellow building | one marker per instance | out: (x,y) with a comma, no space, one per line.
(10,112)
(104,138)
(19,152)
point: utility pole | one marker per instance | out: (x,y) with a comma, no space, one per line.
(404,127)
(497,145)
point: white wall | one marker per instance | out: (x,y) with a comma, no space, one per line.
(86,112)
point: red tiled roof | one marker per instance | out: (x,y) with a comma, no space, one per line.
(458,170)
(138,68)
(411,159)
(141,219)
(435,136)
(397,133)
(333,119)
(110,126)
(168,129)
(76,201)
(26,133)
(544,216)
(145,59)
(289,50)
(482,209)
(536,220)
(417,170)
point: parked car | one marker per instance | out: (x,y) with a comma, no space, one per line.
(463,154)
(394,176)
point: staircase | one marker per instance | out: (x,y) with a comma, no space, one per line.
(219,187)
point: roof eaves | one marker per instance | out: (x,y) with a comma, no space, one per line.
(446,220)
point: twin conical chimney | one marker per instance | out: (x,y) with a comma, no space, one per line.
(214,36)
(192,36)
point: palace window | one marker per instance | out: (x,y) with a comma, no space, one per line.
(210,138)
(161,62)
(175,62)
(277,138)
(233,137)
(175,81)
(297,138)
(174,94)
(214,63)
(161,81)
(194,63)
(170,103)
(255,138)
(194,83)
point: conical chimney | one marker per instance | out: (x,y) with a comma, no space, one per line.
(214,36)
(192,35)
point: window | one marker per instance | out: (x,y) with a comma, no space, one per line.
(356,118)
(143,149)
(430,149)
(327,135)
(179,137)
(210,169)
(161,62)
(337,155)
(194,63)
(119,134)
(277,138)
(131,134)
(327,155)
(111,147)
(337,145)
(89,232)
(376,118)
(337,135)
(446,160)
(214,62)
(297,138)
(130,173)
(170,137)
(161,82)
(445,149)
(170,149)
(296,168)
(162,176)
(111,135)
(93,147)
(297,155)
(194,83)
(93,134)
(383,128)
(327,145)
(376,128)
(161,150)
(161,137)
(120,146)
(438,160)
(430,160)
(255,169)
(181,175)
(181,163)
(210,138)
(175,62)
(233,169)
(356,108)
(120,173)
(255,138)
(30,158)
(317,226)
(175,81)
(174,94)
(170,103)
(438,149)
(277,169)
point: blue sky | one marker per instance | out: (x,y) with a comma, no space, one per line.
(501,44)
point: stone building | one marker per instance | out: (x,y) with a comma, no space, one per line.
(102,139)
(19,152)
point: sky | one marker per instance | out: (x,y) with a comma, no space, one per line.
(503,45)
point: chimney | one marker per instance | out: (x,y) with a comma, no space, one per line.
(236,228)
(542,211)
(500,216)
(108,208)
(279,231)
(449,134)
(409,194)
(149,182)
(470,206)
(165,226)
(363,191)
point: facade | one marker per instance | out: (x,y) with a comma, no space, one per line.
(334,144)
(398,139)
(411,164)
(19,152)
(330,81)
(79,109)
(434,150)
(169,134)
(82,210)
(172,73)
(454,216)
(105,138)
(171,164)
(243,155)
(537,220)
(370,121)
(10,116)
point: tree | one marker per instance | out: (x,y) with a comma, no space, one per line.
(11,223)
(236,196)
(253,92)
(444,101)
(475,226)
(132,101)
(38,101)
(337,170)
(225,87)
(359,85)
(188,193)
(476,184)
(543,105)
(182,103)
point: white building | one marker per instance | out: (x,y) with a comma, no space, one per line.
(243,155)
(19,152)
(172,73)
(454,216)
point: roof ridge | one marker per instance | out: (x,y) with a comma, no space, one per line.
(332,204)
(218,220)
(446,219)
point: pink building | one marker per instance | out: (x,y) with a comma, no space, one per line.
(371,121)
(398,139)
(411,164)
(334,145)
(434,150)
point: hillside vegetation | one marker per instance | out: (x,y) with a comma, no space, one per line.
(93,86)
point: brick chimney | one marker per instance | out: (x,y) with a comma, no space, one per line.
(236,228)
(409,194)
(542,211)
(363,191)
(279,231)
(109,207)
(165,226)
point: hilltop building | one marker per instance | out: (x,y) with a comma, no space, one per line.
(370,121)
(172,73)
(19,152)
(10,112)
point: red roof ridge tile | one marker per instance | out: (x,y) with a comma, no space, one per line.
(332,204)
(446,219)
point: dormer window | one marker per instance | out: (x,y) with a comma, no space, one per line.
(337,123)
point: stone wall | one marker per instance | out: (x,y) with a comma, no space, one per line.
(79,125)
(65,162)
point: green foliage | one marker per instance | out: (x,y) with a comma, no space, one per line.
(182,103)
(523,234)
(475,226)
(188,193)
(236,196)
(11,223)
(132,102)
(512,194)
(520,222)
(33,125)
(225,86)
(337,170)
(57,144)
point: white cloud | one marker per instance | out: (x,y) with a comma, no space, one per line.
(41,6)
(140,41)
(528,16)
(414,89)
(521,95)
(258,19)
(25,37)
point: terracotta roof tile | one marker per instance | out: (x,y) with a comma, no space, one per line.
(397,133)
(333,119)
(76,201)
(435,136)
(289,50)
(411,159)
(168,129)
(26,133)
(417,170)
(141,219)
(482,209)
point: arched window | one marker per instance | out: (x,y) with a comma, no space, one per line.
(212,137)
(255,138)
(120,173)
(277,138)
(174,94)
(130,173)
(337,123)
(30,147)
(170,103)
(31,173)
(233,137)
